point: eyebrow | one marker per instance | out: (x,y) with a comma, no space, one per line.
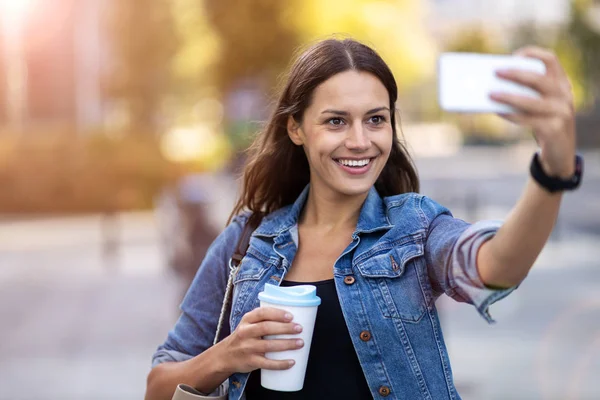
(345,113)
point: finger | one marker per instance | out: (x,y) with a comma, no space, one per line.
(276,365)
(537,82)
(541,127)
(266,328)
(274,345)
(548,57)
(267,314)
(524,120)
(524,104)
(514,117)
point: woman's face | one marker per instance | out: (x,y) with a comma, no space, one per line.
(346,133)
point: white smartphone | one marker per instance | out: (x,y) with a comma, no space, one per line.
(465,81)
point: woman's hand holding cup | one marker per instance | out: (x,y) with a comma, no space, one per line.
(245,348)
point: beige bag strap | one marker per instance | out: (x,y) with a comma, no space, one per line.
(234,263)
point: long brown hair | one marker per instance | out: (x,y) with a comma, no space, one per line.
(277,170)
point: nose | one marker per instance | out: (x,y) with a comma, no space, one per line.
(357,139)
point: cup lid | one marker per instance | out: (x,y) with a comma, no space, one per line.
(299,296)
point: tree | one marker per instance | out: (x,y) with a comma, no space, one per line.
(258,38)
(143,43)
(255,41)
(199,49)
(226,44)
(393,27)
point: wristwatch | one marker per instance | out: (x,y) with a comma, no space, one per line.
(553,183)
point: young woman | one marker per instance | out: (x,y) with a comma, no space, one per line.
(335,193)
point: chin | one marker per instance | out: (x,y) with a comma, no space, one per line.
(353,189)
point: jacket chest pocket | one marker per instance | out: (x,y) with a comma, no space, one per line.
(394,276)
(247,283)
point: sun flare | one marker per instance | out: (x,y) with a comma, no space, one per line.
(14,11)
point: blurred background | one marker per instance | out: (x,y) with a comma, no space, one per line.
(122,130)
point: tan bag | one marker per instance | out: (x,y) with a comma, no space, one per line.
(186,392)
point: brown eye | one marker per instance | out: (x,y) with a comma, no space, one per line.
(377,119)
(335,121)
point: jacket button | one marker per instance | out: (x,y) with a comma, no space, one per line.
(237,384)
(349,280)
(384,391)
(365,336)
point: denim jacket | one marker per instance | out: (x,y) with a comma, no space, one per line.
(406,251)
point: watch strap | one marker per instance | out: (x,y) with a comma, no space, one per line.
(553,183)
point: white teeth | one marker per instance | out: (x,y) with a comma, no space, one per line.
(354,163)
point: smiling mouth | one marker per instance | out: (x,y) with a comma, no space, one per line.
(354,163)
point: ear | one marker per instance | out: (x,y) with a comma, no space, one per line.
(294,132)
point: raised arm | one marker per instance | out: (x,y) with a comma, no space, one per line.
(506,259)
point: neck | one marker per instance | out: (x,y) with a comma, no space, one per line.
(332,212)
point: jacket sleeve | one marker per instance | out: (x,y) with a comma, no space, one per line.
(195,329)
(451,251)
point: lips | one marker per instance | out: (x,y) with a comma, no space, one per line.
(355,166)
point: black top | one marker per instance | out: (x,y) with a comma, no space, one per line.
(333,370)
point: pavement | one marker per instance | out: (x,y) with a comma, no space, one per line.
(78,323)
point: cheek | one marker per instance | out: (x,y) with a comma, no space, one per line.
(385,141)
(322,143)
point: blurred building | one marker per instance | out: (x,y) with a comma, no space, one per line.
(588,128)
(53,55)
(502,19)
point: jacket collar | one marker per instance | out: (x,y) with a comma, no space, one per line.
(373,214)
(372,217)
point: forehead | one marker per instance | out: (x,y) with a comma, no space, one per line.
(350,91)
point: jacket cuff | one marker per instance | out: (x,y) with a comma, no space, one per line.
(465,279)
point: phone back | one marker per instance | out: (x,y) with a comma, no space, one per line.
(465,81)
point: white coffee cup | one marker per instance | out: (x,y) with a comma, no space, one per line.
(302,302)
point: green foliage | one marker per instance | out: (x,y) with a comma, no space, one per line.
(186,50)
(570,58)
(393,27)
(585,44)
(199,51)
(255,42)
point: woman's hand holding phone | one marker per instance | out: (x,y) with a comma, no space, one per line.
(529,88)
(551,116)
